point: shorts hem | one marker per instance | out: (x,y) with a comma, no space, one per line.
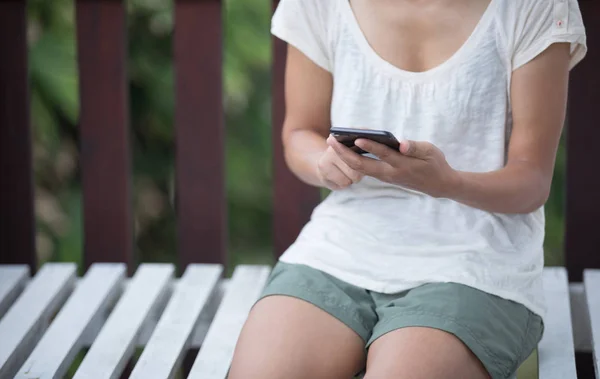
(315,300)
(492,364)
(378,286)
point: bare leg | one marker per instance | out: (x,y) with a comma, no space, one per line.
(285,337)
(422,353)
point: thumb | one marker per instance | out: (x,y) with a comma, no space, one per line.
(415,149)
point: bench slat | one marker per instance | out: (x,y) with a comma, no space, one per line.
(216,352)
(26,320)
(591,280)
(171,338)
(582,333)
(63,339)
(12,281)
(115,343)
(556,349)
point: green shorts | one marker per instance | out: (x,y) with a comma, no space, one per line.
(501,333)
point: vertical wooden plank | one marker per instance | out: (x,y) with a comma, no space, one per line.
(201,207)
(293,201)
(104,123)
(582,239)
(17,226)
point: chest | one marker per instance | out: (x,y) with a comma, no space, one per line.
(417,36)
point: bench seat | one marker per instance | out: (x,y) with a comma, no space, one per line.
(46,320)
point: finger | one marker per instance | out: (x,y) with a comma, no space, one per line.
(383,152)
(337,179)
(364,165)
(416,149)
(332,176)
(351,174)
(331,185)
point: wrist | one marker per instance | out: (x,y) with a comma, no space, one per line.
(454,185)
(316,167)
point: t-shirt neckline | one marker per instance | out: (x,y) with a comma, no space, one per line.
(394,70)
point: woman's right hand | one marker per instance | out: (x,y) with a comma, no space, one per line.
(335,173)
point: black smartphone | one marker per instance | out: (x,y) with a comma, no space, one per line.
(347,136)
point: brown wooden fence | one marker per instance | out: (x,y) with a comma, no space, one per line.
(200,192)
(582,238)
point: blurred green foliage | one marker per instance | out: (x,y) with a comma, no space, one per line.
(247,84)
(55,112)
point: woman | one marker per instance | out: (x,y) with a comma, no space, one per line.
(424,262)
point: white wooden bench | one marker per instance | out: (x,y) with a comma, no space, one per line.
(46,320)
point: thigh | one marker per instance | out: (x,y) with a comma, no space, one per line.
(422,353)
(285,337)
(449,323)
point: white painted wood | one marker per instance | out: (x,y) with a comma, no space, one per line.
(149,325)
(206,317)
(26,320)
(116,342)
(216,352)
(579,313)
(582,332)
(591,280)
(556,349)
(62,341)
(171,338)
(12,281)
(208,314)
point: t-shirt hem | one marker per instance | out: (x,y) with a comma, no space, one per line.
(299,43)
(578,49)
(386,288)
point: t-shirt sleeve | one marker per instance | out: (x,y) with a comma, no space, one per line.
(537,24)
(302,24)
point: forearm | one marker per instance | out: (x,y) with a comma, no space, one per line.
(517,188)
(303,148)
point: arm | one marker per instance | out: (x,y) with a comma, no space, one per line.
(538,97)
(308,90)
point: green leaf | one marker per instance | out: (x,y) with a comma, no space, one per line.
(45,124)
(70,246)
(53,70)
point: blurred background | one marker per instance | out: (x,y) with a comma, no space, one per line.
(247,106)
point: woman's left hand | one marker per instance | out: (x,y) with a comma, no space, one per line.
(420,166)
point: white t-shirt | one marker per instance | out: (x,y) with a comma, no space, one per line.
(386,238)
